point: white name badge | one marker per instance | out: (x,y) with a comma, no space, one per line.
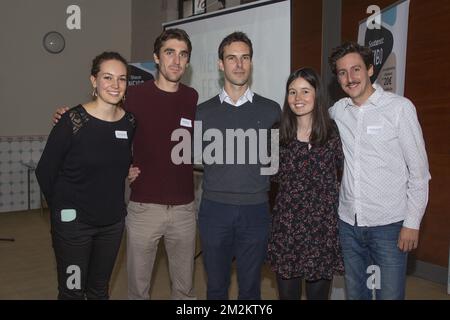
(121,134)
(186,123)
(374,129)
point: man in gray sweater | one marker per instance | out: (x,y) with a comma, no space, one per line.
(234,213)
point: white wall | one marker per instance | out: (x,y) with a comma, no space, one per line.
(147,18)
(32,81)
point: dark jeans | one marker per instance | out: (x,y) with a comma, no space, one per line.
(85,257)
(291,289)
(228,231)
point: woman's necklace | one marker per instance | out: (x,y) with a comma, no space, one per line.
(305,137)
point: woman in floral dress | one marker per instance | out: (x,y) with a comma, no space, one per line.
(303,243)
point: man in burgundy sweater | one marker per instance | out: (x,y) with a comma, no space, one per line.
(162,193)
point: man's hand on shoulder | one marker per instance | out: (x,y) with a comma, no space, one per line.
(58,113)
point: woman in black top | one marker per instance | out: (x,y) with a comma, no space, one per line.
(303,243)
(82,174)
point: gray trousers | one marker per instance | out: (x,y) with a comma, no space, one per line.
(146,224)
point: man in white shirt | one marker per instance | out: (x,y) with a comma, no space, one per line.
(384,190)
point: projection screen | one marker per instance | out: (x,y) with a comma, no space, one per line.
(268,25)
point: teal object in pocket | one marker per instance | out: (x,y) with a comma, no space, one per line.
(68,215)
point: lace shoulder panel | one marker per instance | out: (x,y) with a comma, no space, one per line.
(78,117)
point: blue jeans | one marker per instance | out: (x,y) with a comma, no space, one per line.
(228,231)
(373,246)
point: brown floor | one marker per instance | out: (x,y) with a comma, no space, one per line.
(27,267)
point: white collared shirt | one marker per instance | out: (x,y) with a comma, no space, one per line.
(386,172)
(247,96)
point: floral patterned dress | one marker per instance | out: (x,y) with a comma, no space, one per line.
(304,240)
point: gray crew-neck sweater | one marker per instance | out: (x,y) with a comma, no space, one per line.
(240,184)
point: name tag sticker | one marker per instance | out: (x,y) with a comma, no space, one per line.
(186,123)
(374,129)
(121,134)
